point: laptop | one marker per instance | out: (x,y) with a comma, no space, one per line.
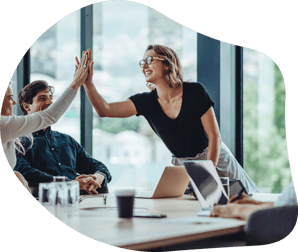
(173,183)
(206,183)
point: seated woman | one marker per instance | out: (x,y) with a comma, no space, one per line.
(13,127)
(180,113)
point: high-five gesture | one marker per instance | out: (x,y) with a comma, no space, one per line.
(118,109)
(90,67)
(81,71)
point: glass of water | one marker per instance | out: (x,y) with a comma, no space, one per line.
(59,178)
(60,198)
(73,196)
(53,197)
(46,196)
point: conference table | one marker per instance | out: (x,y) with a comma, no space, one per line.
(182,225)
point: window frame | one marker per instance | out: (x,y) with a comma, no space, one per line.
(219,69)
(86,107)
(212,71)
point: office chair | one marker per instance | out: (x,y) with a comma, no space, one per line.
(270,225)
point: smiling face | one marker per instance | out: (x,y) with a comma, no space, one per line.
(8,102)
(42,100)
(156,71)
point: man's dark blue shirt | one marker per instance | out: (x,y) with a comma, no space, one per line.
(57,154)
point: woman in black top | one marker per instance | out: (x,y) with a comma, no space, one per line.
(180,113)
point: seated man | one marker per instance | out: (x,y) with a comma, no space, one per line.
(54,153)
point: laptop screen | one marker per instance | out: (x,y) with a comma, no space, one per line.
(206,183)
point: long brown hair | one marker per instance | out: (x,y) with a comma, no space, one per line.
(171,60)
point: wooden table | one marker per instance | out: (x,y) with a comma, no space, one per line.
(101,222)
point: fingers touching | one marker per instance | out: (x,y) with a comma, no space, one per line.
(85,58)
(77,60)
(89,183)
(92,189)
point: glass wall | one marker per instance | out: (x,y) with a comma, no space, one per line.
(52,59)
(264,137)
(135,156)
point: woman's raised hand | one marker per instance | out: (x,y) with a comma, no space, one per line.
(90,67)
(81,72)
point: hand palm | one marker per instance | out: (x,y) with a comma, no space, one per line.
(90,66)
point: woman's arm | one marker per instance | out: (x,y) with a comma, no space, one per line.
(12,127)
(105,109)
(16,126)
(210,125)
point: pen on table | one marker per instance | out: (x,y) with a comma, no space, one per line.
(238,196)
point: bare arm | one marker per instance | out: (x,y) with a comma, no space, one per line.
(212,130)
(104,109)
(101,106)
(237,211)
(245,199)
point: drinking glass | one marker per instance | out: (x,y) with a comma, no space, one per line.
(53,197)
(46,196)
(72,196)
(59,178)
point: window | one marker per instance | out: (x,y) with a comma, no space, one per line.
(52,60)
(15,92)
(264,138)
(133,153)
(130,149)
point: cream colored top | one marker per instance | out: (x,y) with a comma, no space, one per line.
(12,127)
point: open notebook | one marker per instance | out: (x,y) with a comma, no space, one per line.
(173,183)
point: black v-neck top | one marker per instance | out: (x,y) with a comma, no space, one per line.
(184,136)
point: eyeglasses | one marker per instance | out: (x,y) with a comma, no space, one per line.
(148,61)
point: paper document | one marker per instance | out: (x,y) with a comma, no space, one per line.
(199,220)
